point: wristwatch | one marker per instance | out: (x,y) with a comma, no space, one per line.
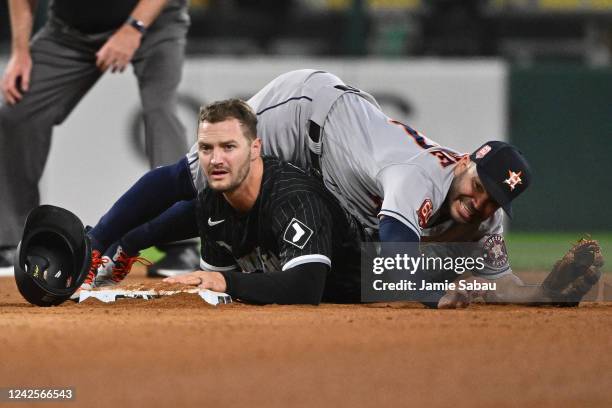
(137,24)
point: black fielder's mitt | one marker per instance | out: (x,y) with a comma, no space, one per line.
(574,274)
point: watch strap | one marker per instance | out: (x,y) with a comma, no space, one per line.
(137,24)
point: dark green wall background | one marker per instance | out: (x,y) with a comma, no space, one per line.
(561,118)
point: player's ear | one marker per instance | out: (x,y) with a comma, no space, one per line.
(462,165)
(256,148)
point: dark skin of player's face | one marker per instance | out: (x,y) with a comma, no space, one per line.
(468,201)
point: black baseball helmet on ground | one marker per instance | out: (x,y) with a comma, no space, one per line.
(53,257)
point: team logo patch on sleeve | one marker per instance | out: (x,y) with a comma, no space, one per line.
(297,233)
(495,252)
(425,212)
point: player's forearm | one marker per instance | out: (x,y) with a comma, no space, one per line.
(22,18)
(511,290)
(148,10)
(521,295)
(303,284)
(395,238)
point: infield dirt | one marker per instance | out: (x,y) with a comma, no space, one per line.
(178,351)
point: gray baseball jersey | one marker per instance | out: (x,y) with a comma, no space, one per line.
(372,164)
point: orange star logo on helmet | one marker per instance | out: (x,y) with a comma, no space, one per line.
(513,179)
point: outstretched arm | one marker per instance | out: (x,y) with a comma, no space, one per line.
(302,284)
(570,279)
(391,230)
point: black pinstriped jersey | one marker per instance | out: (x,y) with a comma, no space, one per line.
(294,221)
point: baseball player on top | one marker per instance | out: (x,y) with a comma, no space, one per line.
(390,177)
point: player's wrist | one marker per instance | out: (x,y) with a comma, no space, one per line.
(227,278)
(137,25)
(20,50)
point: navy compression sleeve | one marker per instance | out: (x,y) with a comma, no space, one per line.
(392,230)
(152,194)
(302,284)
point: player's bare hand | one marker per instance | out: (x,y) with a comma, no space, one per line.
(203,279)
(461,298)
(16,78)
(118,50)
(456,299)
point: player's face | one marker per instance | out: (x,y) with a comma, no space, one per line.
(225,154)
(469,202)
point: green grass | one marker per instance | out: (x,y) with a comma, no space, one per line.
(152,254)
(529,250)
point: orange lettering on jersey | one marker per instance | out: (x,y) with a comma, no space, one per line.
(425,212)
(445,159)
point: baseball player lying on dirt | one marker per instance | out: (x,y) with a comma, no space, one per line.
(271,233)
(390,177)
(263,215)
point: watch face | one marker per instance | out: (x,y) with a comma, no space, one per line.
(137,24)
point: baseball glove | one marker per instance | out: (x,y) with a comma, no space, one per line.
(574,274)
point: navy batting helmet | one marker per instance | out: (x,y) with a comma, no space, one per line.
(53,257)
